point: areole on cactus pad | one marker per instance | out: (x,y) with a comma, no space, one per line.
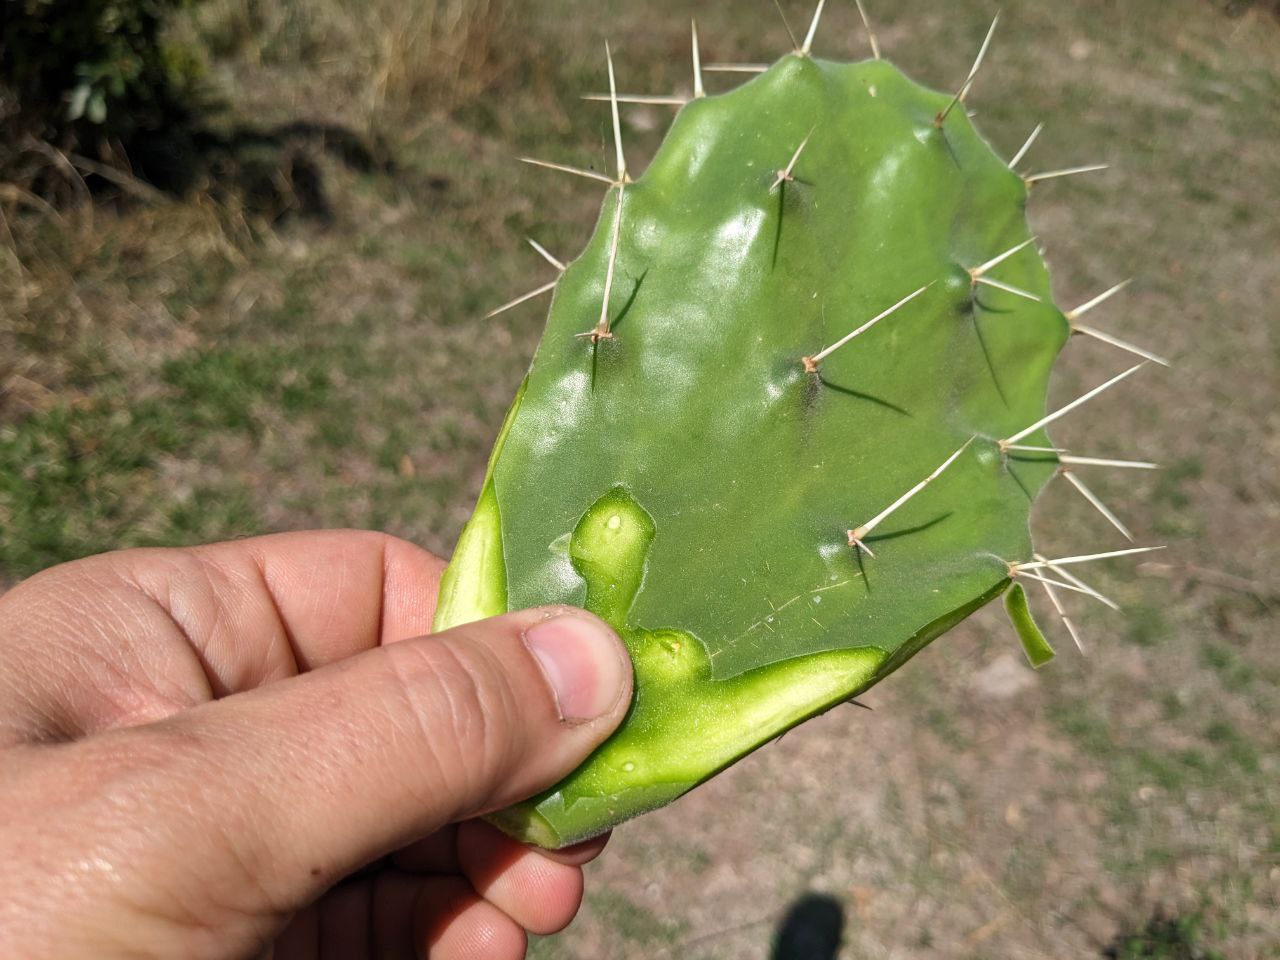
(785,425)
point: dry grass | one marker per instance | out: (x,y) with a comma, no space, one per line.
(67,313)
(384,55)
(445,51)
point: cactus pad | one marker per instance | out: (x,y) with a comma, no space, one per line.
(748,509)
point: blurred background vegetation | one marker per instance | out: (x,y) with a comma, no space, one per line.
(246,249)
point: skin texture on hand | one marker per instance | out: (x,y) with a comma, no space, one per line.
(254,749)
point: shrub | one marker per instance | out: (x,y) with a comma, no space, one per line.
(79,71)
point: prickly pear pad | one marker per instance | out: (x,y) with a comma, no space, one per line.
(693,480)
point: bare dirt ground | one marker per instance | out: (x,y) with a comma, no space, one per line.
(182,371)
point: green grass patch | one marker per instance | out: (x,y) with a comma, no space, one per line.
(1177,938)
(1176,514)
(77,480)
(1225,761)
(1233,746)
(1147,624)
(1233,670)
(121,469)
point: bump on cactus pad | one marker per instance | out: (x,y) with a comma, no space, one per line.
(774,514)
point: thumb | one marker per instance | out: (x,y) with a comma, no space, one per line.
(305,780)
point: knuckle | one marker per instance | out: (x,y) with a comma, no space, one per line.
(463,706)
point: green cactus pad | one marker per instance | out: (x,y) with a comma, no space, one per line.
(1034,644)
(693,481)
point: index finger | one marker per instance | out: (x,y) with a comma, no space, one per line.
(135,635)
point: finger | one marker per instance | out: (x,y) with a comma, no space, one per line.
(298,783)
(533,890)
(398,915)
(579,854)
(142,634)
(454,923)
(300,940)
(437,853)
(395,905)
(345,915)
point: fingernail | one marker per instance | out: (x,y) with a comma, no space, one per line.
(584,663)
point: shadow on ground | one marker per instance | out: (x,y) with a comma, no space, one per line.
(812,929)
(272,172)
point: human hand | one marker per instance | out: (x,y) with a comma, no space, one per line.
(252,746)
